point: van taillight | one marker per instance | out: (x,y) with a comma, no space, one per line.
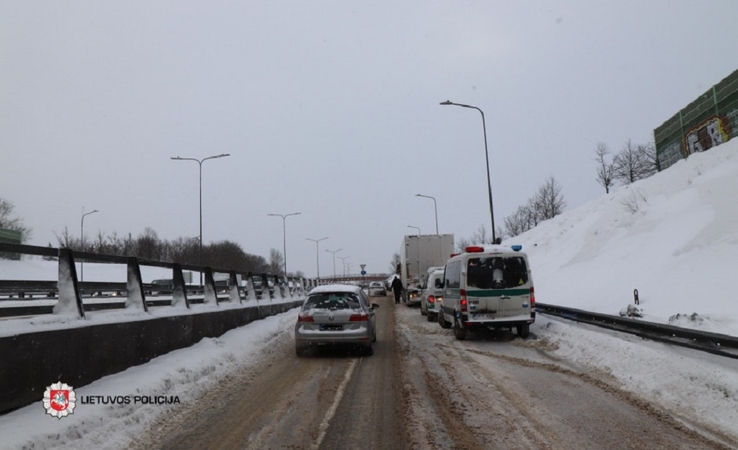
(359,317)
(305,318)
(462,302)
(532,299)
(474,249)
(431,299)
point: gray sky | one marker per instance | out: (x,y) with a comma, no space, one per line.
(332,109)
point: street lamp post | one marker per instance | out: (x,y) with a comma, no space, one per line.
(284,234)
(82,241)
(334,261)
(435,207)
(417,247)
(343,261)
(199,162)
(317,254)
(486,154)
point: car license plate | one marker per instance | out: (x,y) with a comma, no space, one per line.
(329,327)
(483,316)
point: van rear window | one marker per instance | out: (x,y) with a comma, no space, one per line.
(498,272)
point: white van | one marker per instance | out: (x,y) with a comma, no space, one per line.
(488,286)
(432,294)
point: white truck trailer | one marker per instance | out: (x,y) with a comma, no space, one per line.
(418,253)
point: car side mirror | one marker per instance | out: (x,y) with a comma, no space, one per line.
(439,283)
(375,305)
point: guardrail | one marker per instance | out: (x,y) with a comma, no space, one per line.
(36,352)
(715,343)
(69,295)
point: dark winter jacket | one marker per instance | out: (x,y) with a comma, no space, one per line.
(396,285)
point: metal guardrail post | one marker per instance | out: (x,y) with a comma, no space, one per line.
(210,296)
(234,294)
(179,292)
(70,302)
(277,295)
(136,296)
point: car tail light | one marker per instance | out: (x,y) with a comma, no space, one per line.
(532,299)
(431,299)
(363,317)
(463,302)
(305,318)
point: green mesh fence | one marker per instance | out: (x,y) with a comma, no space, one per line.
(708,121)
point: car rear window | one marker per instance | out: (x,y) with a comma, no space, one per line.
(497,272)
(338,300)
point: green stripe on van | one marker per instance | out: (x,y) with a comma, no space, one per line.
(497,292)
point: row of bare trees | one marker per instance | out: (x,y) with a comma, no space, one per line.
(632,163)
(148,245)
(547,203)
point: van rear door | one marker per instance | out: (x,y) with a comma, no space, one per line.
(498,288)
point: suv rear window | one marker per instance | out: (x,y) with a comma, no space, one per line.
(338,300)
(497,272)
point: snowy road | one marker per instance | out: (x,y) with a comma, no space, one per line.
(328,400)
(423,390)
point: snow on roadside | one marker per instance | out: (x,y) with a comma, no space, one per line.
(184,374)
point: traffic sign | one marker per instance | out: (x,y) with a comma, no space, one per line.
(363,272)
(362,266)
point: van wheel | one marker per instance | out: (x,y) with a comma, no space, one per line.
(523,330)
(459,331)
(422,311)
(442,321)
(430,317)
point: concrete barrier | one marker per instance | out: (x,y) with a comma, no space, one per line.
(78,356)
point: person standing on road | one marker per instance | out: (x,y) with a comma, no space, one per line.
(397,288)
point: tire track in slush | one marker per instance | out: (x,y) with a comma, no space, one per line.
(332,410)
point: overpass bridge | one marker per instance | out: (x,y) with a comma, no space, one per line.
(354,278)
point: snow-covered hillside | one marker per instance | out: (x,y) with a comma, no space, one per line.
(673,237)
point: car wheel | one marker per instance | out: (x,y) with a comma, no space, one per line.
(368,350)
(523,330)
(459,331)
(422,311)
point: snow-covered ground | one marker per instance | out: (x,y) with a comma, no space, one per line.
(673,237)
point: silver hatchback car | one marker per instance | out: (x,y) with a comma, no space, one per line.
(336,315)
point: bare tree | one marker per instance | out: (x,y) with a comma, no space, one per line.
(148,245)
(604,168)
(632,163)
(276,262)
(651,158)
(462,243)
(548,200)
(10,221)
(66,240)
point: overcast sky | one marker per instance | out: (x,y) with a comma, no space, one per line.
(331,109)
